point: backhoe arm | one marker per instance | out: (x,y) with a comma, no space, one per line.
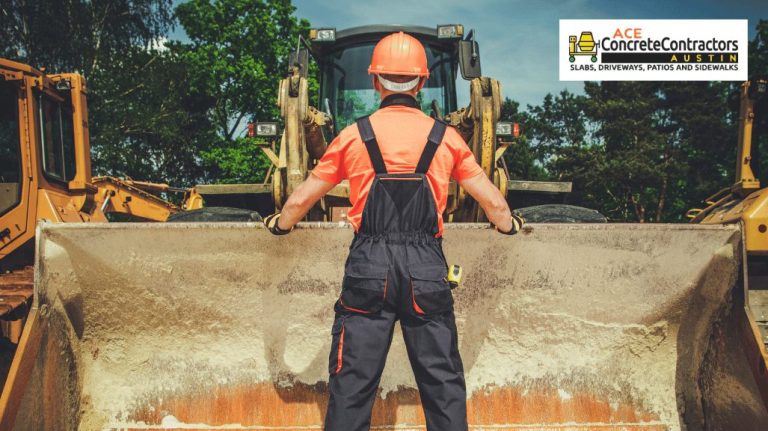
(132,198)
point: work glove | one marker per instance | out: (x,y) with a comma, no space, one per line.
(271,223)
(517,224)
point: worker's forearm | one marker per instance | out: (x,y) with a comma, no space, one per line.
(498,213)
(302,200)
(293,211)
(490,199)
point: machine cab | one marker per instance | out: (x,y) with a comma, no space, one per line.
(15,184)
(44,152)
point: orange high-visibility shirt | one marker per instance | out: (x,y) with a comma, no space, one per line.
(401,133)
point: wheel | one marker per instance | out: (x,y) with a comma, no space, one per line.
(559,213)
(571,59)
(215,214)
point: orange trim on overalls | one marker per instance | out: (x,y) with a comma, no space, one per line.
(340,356)
(357,310)
(386,280)
(413,298)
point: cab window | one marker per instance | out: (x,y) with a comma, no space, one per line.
(58,139)
(10,148)
(348,89)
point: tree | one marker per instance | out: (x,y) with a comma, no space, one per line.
(79,35)
(758,51)
(147,123)
(238,52)
(758,63)
(522,159)
(705,126)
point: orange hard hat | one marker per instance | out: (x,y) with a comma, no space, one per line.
(399,54)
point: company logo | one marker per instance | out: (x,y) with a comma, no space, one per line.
(653,50)
(583,46)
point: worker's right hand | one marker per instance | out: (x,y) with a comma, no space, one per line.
(271,223)
(517,224)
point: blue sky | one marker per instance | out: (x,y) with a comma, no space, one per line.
(518,38)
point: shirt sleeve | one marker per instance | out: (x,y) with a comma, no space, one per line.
(331,165)
(464,164)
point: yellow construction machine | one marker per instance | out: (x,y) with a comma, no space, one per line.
(206,326)
(745,203)
(45,174)
(45,164)
(346,93)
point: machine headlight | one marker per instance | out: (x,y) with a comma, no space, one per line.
(262,129)
(505,128)
(64,85)
(322,34)
(450,31)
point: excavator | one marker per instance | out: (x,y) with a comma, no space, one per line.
(565,326)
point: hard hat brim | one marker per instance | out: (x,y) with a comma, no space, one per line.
(384,71)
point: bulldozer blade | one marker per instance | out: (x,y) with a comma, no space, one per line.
(225,326)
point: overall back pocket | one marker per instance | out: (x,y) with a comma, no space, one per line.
(364,288)
(430,291)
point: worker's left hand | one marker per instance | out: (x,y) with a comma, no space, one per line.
(271,223)
(517,224)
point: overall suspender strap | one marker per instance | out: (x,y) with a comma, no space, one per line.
(433,141)
(366,133)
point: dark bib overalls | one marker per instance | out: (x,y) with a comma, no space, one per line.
(396,271)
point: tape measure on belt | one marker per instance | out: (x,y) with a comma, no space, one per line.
(454,276)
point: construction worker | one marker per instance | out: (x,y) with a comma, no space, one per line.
(399,163)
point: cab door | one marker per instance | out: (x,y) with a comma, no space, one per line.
(15,177)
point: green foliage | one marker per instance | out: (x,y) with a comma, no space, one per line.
(758,51)
(79,35)
(238,53)
(146,123)
(523,160)
(758,62)
(636,151)
(238,161)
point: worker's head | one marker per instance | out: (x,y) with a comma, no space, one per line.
(398,65)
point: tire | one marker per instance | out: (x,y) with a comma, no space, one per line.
(559,213)
(215,214)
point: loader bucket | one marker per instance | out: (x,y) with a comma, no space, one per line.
(224,326)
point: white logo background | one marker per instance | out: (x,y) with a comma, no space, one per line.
(655,29)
